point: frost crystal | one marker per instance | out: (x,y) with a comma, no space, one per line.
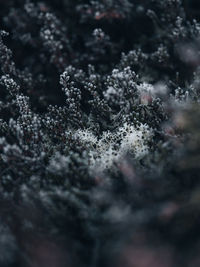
(112,146)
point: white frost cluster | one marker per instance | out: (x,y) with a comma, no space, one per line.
(110,92)
(112,146)
(146,88)
(158,89)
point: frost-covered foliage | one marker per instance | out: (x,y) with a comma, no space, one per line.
(113,145)
(99,133)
